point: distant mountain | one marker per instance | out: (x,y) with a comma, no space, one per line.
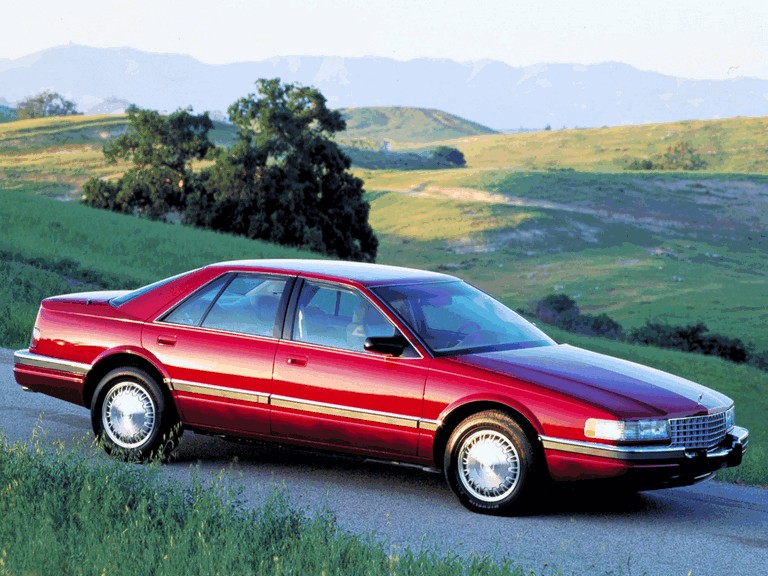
(491,93)
(407,125)
(109,106)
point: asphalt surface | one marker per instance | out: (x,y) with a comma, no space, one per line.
(709,529)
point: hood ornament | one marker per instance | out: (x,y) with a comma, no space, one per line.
(698,401)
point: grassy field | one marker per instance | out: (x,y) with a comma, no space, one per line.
(52,247)
(679,247)
(54,156)
(66,514)
(736,145)
(682,247)
(533,214)
(411,125)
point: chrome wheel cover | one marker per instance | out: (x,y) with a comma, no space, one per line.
(128,415)
(488,466)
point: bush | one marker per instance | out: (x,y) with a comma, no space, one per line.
(680,156)
(451,155)
(690,338)
(45,104)
(561,310)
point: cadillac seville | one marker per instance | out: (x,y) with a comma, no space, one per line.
(379,361)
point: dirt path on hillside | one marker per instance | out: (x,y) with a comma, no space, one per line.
(653,223)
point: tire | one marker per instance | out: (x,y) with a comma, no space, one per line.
(491,465)
(132,418)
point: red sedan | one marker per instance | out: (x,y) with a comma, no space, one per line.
(380,361)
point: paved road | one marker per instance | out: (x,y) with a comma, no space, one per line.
(708,529)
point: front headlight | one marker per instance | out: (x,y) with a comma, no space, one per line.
(730,418)
(627,430)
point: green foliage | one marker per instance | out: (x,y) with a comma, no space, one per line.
(690,338)
(680,156)
(387,160)
(161,149)
(561,310)
(63,513)
(45,104)
(285,180)
(449,154)
(7,114)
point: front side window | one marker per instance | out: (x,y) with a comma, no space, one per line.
(337,317)
(454,317)
(245,303)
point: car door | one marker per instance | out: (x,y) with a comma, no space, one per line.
(328,390)
(219,346)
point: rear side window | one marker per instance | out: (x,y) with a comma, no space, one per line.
(248,305)
(120,300)
(192,310)
(242,303)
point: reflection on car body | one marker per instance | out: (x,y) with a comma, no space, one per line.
(380,361)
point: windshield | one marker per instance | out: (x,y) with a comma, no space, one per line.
(454,317)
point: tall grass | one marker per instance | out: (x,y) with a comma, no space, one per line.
(64,513)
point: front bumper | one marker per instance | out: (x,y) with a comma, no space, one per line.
(646,466)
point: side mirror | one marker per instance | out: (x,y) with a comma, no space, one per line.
(391,345)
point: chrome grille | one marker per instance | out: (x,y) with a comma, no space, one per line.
(698,432)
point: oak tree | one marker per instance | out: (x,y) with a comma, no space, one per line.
(45,104)
(285,180)
(161,149)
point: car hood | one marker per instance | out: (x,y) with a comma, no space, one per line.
(622,387)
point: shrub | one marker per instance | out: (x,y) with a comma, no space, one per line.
(561,311)
(451,155)
(680,156)
(690,338)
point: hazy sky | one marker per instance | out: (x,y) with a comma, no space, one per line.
(690,38)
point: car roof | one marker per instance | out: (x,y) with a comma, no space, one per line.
(359,272)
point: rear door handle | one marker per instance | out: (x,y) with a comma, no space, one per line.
(297,361)
(166,340)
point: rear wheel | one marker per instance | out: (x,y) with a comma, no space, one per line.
(489,463)
(131,417)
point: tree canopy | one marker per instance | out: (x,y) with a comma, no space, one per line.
(450,155)
(161,149)
(284,180)
(45,104)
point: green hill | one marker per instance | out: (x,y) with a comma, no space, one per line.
(408,125)
(685,247)
(730,145)
(679,247)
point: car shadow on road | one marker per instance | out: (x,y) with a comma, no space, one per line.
(279,463)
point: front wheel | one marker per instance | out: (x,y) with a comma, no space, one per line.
(489,463)
(131,416)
